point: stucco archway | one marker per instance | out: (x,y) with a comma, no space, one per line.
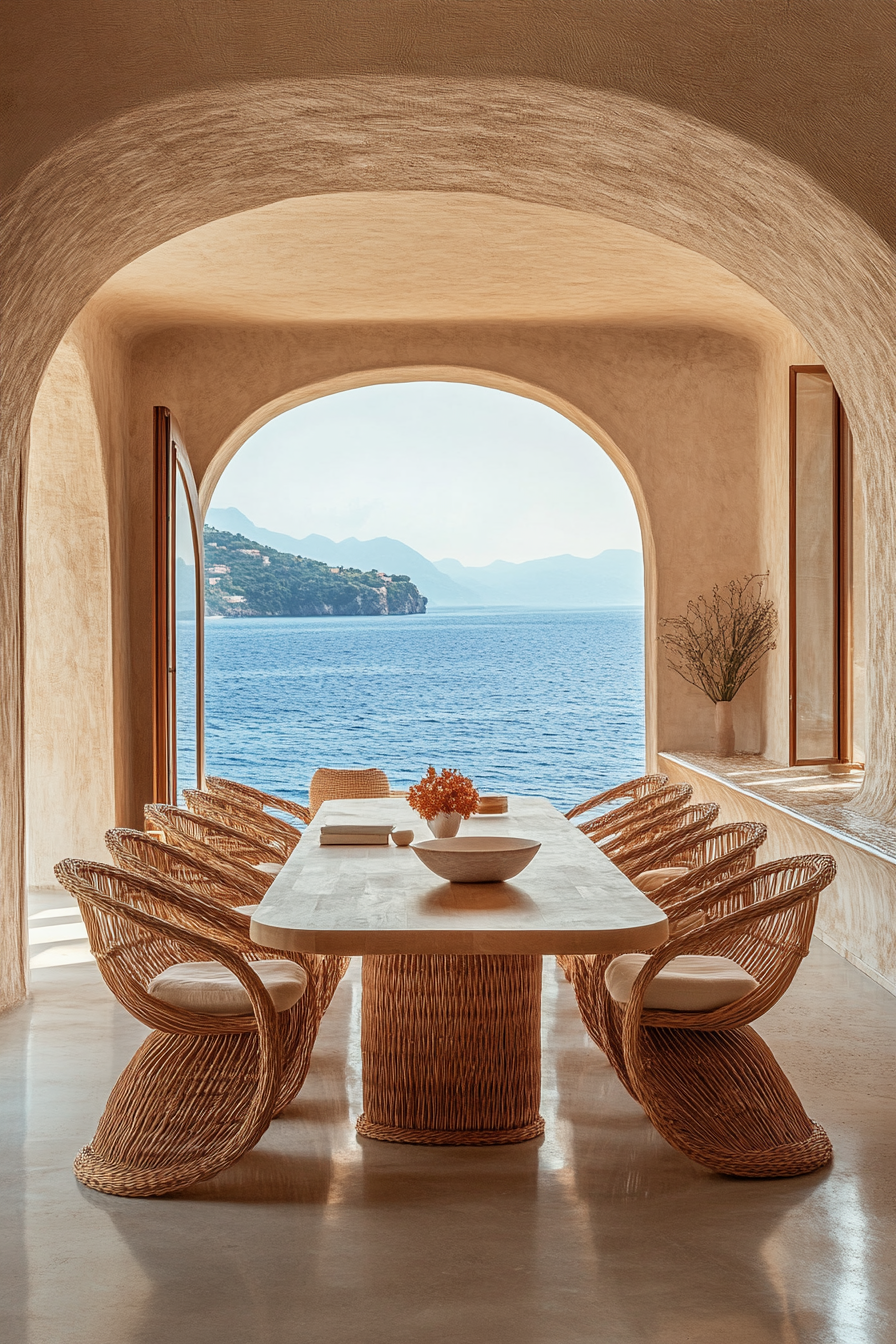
(133,182)
(501,382)
(69,658)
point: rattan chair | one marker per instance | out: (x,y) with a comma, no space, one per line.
(197,834)
(720,853)
(254,798)
(203,1087)
(250,821)
(211,878)
(636,818)
(708,1082)
(631,789)
(645,848)
(329,785)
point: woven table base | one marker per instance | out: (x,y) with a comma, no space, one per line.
(469,1138)
(451,1049)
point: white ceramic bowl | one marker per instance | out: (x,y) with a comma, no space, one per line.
(477,858)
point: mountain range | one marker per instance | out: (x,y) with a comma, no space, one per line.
(613,578)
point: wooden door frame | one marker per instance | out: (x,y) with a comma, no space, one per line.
(842,546)
(170,458)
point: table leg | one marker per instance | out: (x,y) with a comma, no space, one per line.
(451,1049)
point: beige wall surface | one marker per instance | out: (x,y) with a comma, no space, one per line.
(811,82)
(677,408)
(754,134)
(76,629)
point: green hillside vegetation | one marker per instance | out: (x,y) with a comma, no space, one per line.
(255,580)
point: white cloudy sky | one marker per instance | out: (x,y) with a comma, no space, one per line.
(448,468)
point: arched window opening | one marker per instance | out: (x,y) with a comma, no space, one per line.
(526,669)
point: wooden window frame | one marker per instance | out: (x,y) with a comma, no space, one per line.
(842,545)
(170,459)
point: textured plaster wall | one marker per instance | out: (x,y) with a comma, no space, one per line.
(69,662)
(857,912)
(678,407)
(112,168)
(810,82)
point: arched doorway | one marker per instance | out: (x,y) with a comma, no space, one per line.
(528,674)
(668,197)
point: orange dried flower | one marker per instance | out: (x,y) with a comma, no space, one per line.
(448,792)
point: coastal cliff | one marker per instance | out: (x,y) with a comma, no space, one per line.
(243,578)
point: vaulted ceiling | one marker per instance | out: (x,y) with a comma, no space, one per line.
(426,256)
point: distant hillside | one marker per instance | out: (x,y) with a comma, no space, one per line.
(611,579)
(383,553)
(243,578)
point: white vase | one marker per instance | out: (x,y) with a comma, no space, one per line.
(724,728)
(445,824)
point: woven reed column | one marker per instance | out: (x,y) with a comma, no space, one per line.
(451,1049)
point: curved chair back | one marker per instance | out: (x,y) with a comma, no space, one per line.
(196,834)
(245,795)
(329,785)
(638,818)
(723,852)
(666,837)
(251,821)
(222,880)
(631,789)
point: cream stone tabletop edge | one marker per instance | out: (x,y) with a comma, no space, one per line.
(357,900)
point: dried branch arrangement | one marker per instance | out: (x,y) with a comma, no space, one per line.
(720,641)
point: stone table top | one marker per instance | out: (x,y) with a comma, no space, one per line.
(356,900)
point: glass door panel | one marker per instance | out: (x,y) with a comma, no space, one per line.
(814,568)
(859,609)
(178,688)
(185,621)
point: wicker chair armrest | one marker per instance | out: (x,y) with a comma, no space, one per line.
(287,805)
(705,939)
(230,788)
(179,1019)
(600,800)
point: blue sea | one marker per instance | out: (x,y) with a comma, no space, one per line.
(522,700)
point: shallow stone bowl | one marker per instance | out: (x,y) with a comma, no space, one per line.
(477,858)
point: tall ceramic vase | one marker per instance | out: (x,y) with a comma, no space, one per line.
(445,824)
(724,728)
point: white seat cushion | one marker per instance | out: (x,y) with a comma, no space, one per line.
(208,987)
(268,867)
(247,909)
(686,984)
(654,878)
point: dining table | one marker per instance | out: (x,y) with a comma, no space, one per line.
(452,972)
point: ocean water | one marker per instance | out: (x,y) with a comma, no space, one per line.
(522,700)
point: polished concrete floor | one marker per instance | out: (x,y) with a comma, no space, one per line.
(598,1232)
